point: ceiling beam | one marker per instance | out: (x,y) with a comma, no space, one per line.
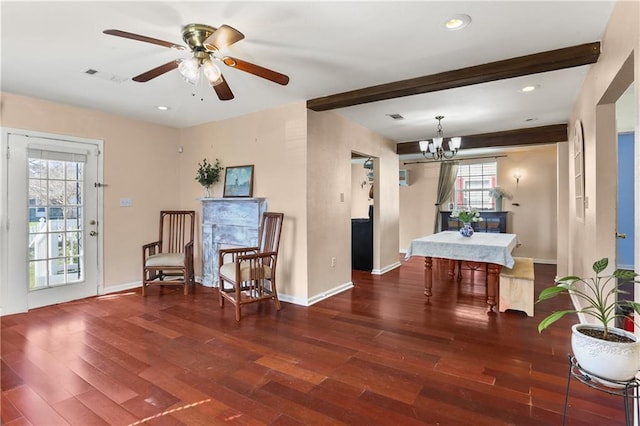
(551,60)
(527,136)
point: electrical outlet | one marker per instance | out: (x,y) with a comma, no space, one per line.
(333,262)
(125,202)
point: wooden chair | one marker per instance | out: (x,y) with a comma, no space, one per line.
(169,261)
(251,271)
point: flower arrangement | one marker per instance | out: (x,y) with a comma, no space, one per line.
(498,192)
(208,173)
(467,215)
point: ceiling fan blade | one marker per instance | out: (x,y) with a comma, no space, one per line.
(265,73)
(146,76)
(222,37)
(223,90)
(138,37)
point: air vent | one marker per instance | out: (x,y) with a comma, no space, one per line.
(104,75)
(396,116)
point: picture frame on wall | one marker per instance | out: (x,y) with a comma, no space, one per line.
(238,181)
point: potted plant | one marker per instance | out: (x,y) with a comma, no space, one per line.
(208,174)
(601,349)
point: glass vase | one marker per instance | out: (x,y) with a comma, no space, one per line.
(207,192)
(466,230)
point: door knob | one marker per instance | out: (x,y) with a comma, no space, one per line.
(93,233)
(621,236)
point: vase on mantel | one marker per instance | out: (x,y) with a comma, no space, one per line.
(499,204)
(466,230)
(207,192)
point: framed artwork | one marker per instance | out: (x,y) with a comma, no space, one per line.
(238,181)
(578,167)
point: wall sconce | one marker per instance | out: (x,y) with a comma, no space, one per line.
(517,175)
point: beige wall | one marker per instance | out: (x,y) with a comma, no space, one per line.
(331,139)
(417,202)
(140,163)
(274,141)
(606,80)
(534,221)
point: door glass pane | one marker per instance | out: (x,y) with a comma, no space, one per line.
(56,169)
(37,192)
(73,219)
(74,191)
(55,222)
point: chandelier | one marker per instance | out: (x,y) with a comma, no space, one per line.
(434,149)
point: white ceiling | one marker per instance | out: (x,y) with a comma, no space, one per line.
(324,47)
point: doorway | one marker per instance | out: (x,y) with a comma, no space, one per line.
(53,208)
(625,125)
(362,206)
(625,129)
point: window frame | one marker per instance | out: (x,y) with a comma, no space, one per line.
(468,197)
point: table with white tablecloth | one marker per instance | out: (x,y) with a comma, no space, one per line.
(491,249)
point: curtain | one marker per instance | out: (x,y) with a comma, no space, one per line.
(446,185)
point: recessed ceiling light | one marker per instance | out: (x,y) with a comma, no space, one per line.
(530,88)
(162,108)
(457,22)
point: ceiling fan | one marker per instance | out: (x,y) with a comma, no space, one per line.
(205,43)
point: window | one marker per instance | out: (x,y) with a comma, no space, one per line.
(473,183)
(55,218)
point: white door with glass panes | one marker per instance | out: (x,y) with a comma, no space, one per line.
(53,214)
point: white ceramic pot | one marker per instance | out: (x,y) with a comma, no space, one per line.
(610,360)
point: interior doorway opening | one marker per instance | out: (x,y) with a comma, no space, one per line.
(363,172)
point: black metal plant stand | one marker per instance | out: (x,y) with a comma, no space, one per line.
(627,389)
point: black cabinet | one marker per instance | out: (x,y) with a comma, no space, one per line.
(362,243)
(491,222)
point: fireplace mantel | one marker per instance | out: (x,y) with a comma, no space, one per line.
(227,222)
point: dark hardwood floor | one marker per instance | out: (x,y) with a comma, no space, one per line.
(377,354)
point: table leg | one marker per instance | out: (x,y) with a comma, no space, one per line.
(428,261)
(493,275)
(452,268)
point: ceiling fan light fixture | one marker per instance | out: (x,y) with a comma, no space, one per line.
(190,70)
(211,71)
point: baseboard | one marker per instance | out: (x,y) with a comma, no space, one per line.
(386,269)
(120,287)
(545,261)
(318,297)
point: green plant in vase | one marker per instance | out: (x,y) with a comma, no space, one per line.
(208,174)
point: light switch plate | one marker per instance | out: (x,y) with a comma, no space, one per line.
(125,202)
